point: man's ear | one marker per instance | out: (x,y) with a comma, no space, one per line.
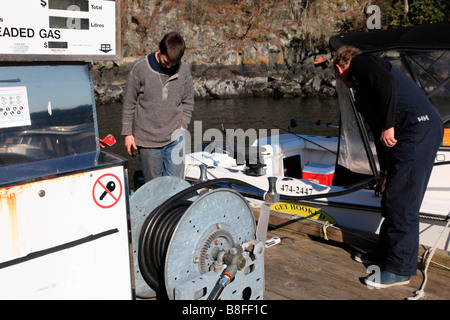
(340,69)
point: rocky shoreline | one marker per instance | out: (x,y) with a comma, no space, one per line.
(234,49)
(233,78)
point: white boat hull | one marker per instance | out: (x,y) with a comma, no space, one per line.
(359,210)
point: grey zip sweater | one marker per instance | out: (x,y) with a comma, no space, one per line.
(146,114)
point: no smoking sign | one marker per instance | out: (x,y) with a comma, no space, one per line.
(107,191)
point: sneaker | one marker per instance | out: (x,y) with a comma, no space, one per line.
(385,279)
(369,258)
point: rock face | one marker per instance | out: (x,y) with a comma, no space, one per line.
(234,48)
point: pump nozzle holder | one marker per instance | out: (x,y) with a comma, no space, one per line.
(203,176)
(271,196)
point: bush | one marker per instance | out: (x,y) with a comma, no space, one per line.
(420,12)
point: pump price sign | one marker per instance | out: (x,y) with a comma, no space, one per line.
(83,28)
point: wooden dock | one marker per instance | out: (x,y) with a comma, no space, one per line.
(304,266)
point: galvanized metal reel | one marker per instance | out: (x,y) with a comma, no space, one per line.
(220,220)
(142,203)
(181,241)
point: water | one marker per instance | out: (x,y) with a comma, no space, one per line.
(252,113)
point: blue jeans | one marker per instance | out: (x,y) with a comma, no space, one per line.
(163,161)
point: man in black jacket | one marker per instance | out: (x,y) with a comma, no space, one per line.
(408,131)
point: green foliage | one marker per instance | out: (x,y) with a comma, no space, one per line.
(420,12)
(425,11)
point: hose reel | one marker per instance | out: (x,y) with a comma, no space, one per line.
(187,246)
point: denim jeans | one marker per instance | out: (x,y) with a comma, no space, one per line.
(163,161)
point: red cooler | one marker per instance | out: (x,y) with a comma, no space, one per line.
(319,173)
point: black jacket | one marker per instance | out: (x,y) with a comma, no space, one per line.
(376,90)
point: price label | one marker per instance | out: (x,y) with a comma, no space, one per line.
(58,27)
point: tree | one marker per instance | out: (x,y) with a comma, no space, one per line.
(406,4)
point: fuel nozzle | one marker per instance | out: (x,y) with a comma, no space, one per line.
(234,262)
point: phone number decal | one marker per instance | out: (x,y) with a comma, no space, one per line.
(296,189)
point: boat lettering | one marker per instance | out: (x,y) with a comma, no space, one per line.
(303,211)
(294,189)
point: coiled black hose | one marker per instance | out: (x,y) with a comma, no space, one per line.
(154,241)
(158,227)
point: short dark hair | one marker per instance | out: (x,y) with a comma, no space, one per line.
(172,46)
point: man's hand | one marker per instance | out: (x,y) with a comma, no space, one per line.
(388,137)
(129,143)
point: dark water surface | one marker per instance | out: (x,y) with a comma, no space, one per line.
(252,113)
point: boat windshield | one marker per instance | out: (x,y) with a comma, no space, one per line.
(356,158)
(430,71)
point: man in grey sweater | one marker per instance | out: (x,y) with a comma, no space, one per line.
(157,108)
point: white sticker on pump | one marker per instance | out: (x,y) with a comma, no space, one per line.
(14,109)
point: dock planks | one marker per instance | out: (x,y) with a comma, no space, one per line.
(304,266)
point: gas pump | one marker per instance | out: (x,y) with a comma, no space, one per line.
(64,209)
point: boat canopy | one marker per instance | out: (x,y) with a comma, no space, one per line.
(422,37)
(422,52)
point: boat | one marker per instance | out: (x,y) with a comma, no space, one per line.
(332,180)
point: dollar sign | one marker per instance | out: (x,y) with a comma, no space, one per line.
(43,3)
(45,45)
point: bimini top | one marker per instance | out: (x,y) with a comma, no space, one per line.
(422,37)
